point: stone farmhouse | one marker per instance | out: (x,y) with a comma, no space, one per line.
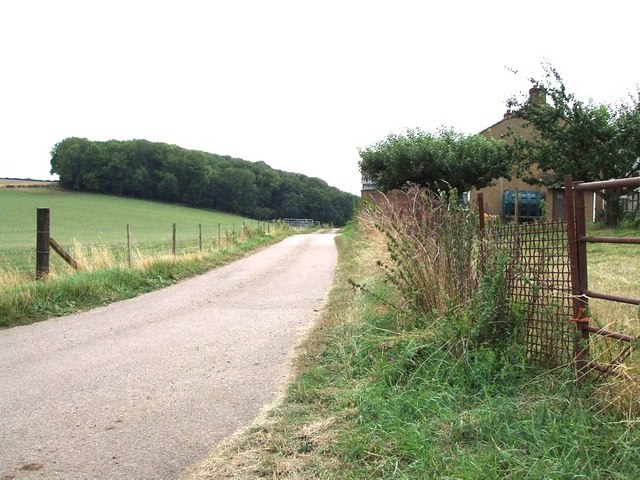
(553,198)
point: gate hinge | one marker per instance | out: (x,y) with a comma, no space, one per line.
(581,318)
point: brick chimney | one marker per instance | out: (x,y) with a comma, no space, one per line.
(537,95)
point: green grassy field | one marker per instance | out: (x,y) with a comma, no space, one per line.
(614,269)
(92,228)
(92,219)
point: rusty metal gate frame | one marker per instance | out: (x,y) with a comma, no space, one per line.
(537,282)
(578,239)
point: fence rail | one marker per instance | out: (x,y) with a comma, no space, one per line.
(547,276)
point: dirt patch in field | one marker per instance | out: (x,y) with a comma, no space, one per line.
(17,182)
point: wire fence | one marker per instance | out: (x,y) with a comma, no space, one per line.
(538,281)
(115,244)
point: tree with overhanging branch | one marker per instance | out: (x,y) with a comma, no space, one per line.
(589,141)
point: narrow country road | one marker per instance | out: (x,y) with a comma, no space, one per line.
(141,389)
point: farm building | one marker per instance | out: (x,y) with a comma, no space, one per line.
(533,201)
(499,197)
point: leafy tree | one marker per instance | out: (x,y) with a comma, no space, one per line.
(267,184)
(168,187)
(238,189)
(440,161)
(70,159)
(293,206)
(141,182)
(589,141)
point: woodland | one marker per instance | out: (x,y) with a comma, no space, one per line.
(169,173)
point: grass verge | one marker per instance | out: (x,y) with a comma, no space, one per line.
(31,301)
(377,395)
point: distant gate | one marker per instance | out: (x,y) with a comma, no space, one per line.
(300,222)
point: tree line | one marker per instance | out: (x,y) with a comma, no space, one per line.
(169,173)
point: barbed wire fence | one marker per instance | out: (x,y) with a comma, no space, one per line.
(121,244)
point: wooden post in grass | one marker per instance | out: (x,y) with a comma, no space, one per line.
(219,238)
(200,236)
(174,239)
(480,201)
(129,244)
(42,243)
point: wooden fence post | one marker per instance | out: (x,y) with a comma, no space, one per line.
(219,237)
(62,252)
(129,244)
(481,246)
(42,243)
(174,239)
(480,200)
(200,236)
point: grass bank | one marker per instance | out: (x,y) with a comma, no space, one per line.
(384,392)
(91,221)
(26,302)
(93,229)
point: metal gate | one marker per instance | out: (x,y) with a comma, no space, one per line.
(578,240)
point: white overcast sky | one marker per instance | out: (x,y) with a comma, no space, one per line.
(300,85)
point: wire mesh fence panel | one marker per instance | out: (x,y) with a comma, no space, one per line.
(538,283)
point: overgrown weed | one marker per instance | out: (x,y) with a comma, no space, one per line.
(431,246)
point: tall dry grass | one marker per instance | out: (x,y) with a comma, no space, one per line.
(11,277)
(103,256)
(105,275)
(430,247)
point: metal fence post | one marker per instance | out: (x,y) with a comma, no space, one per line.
(481,246)
(581,342)
(480,200)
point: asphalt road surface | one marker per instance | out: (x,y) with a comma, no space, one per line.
(141,389)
